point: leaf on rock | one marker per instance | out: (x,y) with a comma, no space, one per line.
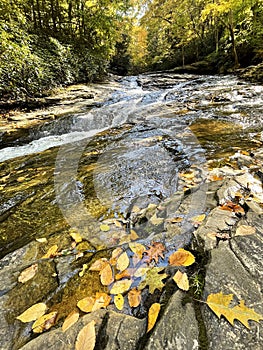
(86,304)
(230,206)
(154,252)
(156,221)
(33,313)
(181,280)
(86,338)
(76,236)
(120,287)
(181,258)
(133,235)
(153,279)
(84,268)
(44,322)
(123,262)
(28,273)
(219,303)
(174,220)
(245,230)
(119,301)
(51,253)
(137,249)
(134,297)
(102,300)
(104,227)
(106,275)
(197,220)
(115,254)
(152,315)
(71,319)
(98,265)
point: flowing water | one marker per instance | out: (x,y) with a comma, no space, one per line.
(115,160)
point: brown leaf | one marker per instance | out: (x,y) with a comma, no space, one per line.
(134,297)
(51,253)
(245,230)
(230,206)
(181,280)
(120,287)
(152,315)
(98,265)
(119,301)
(33,313)
(44,322)
(86,338)
(102,300)
(86,304)
(106,275)
(71,319)
(154,252)
(28,273)
(181,258)
(123,261)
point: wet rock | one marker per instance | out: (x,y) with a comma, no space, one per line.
(177,329)
(226,273)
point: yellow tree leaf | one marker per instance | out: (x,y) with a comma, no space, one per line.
(245,230)
(86,304)
(120,287)
(198,219)
(123,261)
(137,249)
(115,254)
(44,322)
(181,258)
(76,236)
(134,297)
(133,235)
(33,313)
(102,300)
(152,315)
(71,319)
(28,273)
(51,253)
(106,275)
(181,280)
(219,303)
(104,227)
(86,338)
(98,265)
(119,301)
(84,268)
(153,279)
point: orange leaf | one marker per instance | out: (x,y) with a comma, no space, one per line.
(134,297)
(106,276)
(28,273)
(102,300)
(120,287)
(86,304)
(44,322)
(51,253)
(86,338)
(123,261)
(181,280)
(119,301)
(115,254)
(124,274)
(152,315)
(98,265)
(181,258)
(230,206)
(71,319)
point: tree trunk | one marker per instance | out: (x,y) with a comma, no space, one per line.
(233,40)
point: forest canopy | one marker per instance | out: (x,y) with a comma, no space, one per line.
(48,43)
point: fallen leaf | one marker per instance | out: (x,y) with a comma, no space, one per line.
(119,301)
(115,254)
(51,253)
(98,265)
(230,206)
(123,262)
(41,240)
(118,224)
(134,297)
(152,315)
(86,338)
(141,271)
(174,220)
(33,313)
(71,319)
(137,249)
(28,273)
(219,303)
(153,279)
(198,219)
(102,300)
(181,280)
(245,230)
(156,221)
(154,252)
(188,175)
(86,304)
(76,236)
(84,268)
(215,177)
(106,275)
(133,235)
(104,227)
(120,287)
(124,274)
(44,322)
(181,258)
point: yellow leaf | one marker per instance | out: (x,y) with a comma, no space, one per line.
(133,235)
(102,300)
(123,261)
(33,313)
(198,218)
(86,338)
(28,273)
(219,303)
(118,224)
(51,253)
(44,322)
(120,287)
(115,254)
(181,280)
(153,279)
(137,249)
(119,301)
(106,275)
(134,297)
(181,258)
(84,268)
(156,221)
(86,304)
(152,315)
(71,319)
(76,236)
(141,271)
(104,227)
(175,220)
(245,230)
(98,265)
